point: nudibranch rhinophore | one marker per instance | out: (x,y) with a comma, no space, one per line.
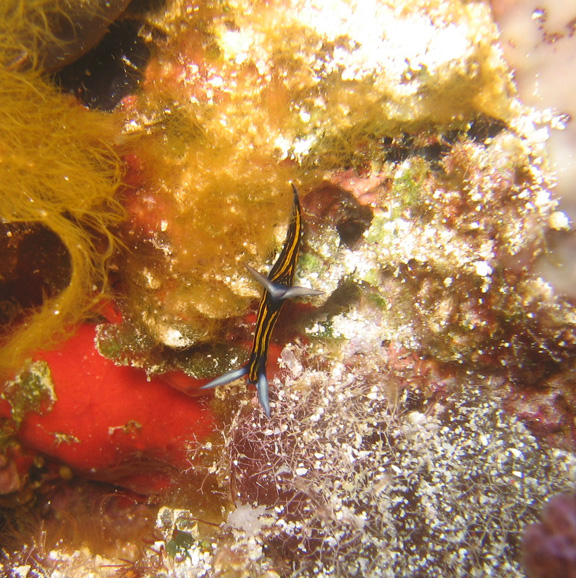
(277,288)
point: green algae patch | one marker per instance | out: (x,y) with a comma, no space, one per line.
(125,345)
(409,186)
(31,390)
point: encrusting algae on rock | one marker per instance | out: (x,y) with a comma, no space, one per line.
(324,91)
(394,446)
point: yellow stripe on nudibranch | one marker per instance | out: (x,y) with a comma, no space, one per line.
(283,270)
(277,288)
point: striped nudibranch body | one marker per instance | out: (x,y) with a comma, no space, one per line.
(277,288)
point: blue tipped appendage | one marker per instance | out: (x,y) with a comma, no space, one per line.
(277,288)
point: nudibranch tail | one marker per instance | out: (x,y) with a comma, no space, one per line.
(277,288)
(263,397)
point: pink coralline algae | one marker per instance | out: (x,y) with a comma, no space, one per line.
(550,546)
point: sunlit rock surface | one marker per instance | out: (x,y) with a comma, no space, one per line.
(538,41)
(424,407)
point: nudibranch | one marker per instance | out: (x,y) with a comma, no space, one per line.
(277,288)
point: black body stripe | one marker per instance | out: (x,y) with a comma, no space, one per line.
(282,273)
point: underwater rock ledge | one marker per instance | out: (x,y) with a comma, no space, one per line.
(422,409)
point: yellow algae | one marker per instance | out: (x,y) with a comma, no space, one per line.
(219,210)
(320,83)
(242,97)
(353,72)
(48,34)
(58,169)
(25,28)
